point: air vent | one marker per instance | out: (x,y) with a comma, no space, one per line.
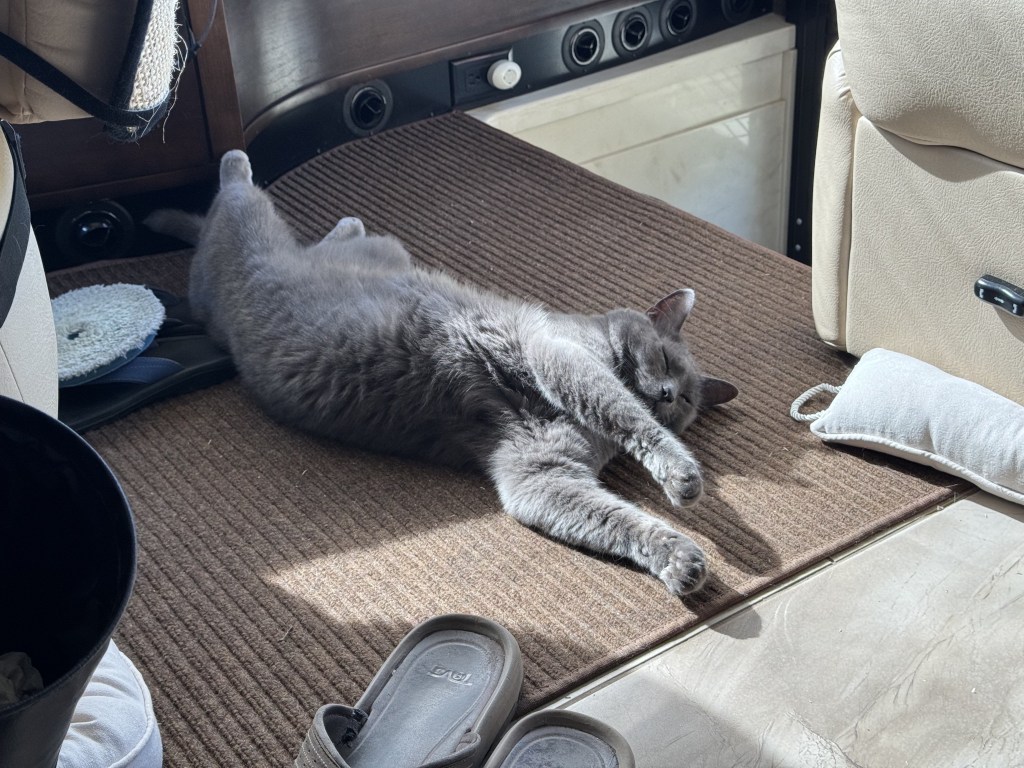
(631,33)
(367,107)
(678,19)
(582,46)
(98,230)
(736,11)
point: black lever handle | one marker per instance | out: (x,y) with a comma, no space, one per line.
(1007,296)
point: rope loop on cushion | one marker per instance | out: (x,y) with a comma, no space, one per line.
(794,410)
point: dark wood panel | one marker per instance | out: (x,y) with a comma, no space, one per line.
(815,36)
(61,157)
(216,78)
(280,48)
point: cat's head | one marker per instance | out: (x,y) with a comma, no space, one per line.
(656,364)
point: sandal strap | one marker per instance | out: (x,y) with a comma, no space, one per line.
(333,724)
(336,724)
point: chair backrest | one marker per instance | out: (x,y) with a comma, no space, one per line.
(945,72)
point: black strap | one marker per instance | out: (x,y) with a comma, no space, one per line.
(43,71)
(123,123)
(195,43)
(125,84)
(352,718)
(16,232)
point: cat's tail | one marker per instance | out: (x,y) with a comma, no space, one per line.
(234,169)
(180,224)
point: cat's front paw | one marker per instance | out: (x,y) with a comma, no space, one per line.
(673,467)
(683,484)
(348,228)
(678,562)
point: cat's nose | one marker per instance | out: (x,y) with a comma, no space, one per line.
(668,393)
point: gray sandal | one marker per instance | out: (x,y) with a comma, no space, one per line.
(440,700)
(558,737)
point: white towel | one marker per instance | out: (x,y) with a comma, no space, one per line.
(100,327)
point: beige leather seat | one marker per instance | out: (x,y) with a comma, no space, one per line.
(86,42)
(28,346)
(919,184)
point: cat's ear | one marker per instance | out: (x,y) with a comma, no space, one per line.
(669,313)
(716,391)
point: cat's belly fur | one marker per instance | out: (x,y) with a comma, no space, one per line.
(435,381)
(448,419)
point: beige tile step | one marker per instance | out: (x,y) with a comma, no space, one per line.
(906,652)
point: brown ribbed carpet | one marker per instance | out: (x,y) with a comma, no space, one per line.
(277,571)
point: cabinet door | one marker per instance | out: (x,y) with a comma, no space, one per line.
(705,126)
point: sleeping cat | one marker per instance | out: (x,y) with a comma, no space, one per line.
(346,338)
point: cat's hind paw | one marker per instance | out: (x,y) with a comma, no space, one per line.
(235,168)
(681,564)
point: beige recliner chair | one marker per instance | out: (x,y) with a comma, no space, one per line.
(28,346)
(919,185)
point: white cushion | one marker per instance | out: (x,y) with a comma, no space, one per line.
(902,406)
(113,725)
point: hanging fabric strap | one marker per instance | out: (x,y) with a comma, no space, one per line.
(124,123)
(16,231)
(194,42)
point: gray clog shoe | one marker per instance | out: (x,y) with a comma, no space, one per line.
(439,701)
(557,738)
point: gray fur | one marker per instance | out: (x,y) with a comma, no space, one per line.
(346,338)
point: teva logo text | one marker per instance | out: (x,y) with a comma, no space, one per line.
(462,678)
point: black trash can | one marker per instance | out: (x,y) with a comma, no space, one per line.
(67,566)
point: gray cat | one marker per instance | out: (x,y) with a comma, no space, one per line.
(346,338)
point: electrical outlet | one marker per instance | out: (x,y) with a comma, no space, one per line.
(469,77)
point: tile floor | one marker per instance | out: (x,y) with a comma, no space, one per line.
(906,651)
